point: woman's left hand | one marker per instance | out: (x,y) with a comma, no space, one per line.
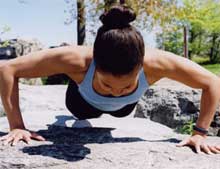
(199,142)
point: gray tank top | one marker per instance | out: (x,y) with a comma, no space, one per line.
(109,103)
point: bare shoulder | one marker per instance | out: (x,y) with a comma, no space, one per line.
(79,53)
(72,59)
(159,64)
(157,60)
(152,65)
(85,55)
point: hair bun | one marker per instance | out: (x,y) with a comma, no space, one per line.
(118,16)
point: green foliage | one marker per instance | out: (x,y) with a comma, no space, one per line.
(5,44)
(203,21)
(200,60)
(214,68)
(201,17)
(171,41)
(187,128)
(44,80)
(150,13)
(205,62)
(4,30)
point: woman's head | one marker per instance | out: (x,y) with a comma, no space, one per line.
(119,47)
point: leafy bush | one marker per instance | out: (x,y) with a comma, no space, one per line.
(187,128)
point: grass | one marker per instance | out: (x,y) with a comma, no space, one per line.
(204,62)
(200,60)
(214,68)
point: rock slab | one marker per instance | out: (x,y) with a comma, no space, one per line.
(107,142)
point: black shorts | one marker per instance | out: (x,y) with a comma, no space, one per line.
(83,110)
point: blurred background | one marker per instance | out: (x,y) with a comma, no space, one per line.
(189,28)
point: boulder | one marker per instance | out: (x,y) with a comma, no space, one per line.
(173,104)
(24,47)
(7,52)
(2,112)
(106,142)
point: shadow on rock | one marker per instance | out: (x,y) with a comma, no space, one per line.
(2,133)
(69,143)
(170,140)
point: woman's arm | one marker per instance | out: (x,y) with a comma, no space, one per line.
(175,67)
(43,63)
(38,64)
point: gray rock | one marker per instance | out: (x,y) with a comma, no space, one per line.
(24,47)
(173,106)
(106,142)
(2,112)
(99,147)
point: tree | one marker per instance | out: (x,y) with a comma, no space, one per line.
(169,15)
(79,15)
(172,41)
(202,18)
(81,22)
(4,30)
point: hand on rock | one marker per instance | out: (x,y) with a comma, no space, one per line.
(15,135)
(198,141)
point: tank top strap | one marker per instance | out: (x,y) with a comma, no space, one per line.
(89,74)
(143,83)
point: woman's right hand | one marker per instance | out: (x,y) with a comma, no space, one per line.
(15,135)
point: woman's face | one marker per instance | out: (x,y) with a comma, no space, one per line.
(118,85)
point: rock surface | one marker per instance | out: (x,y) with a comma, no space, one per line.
(174,104)
(24,47)
(107,142)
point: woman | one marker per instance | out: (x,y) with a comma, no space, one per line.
(109,77)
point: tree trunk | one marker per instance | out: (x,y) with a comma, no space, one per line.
(81,26)
(211,56)
(200,43)
(185,43)
(191,39)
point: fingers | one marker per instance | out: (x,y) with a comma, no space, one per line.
(197,147)
(200,145)
(27,139)
(11,139)
(16,140)
(214,149)
(217,147)
(206,149)
(37,137)
(8,140)
(16,135)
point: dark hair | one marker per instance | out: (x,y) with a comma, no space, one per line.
(118,47)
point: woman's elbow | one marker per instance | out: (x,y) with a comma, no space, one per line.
(6,70)
(214,85)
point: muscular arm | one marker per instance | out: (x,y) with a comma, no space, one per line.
(175,67)
(43,63)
